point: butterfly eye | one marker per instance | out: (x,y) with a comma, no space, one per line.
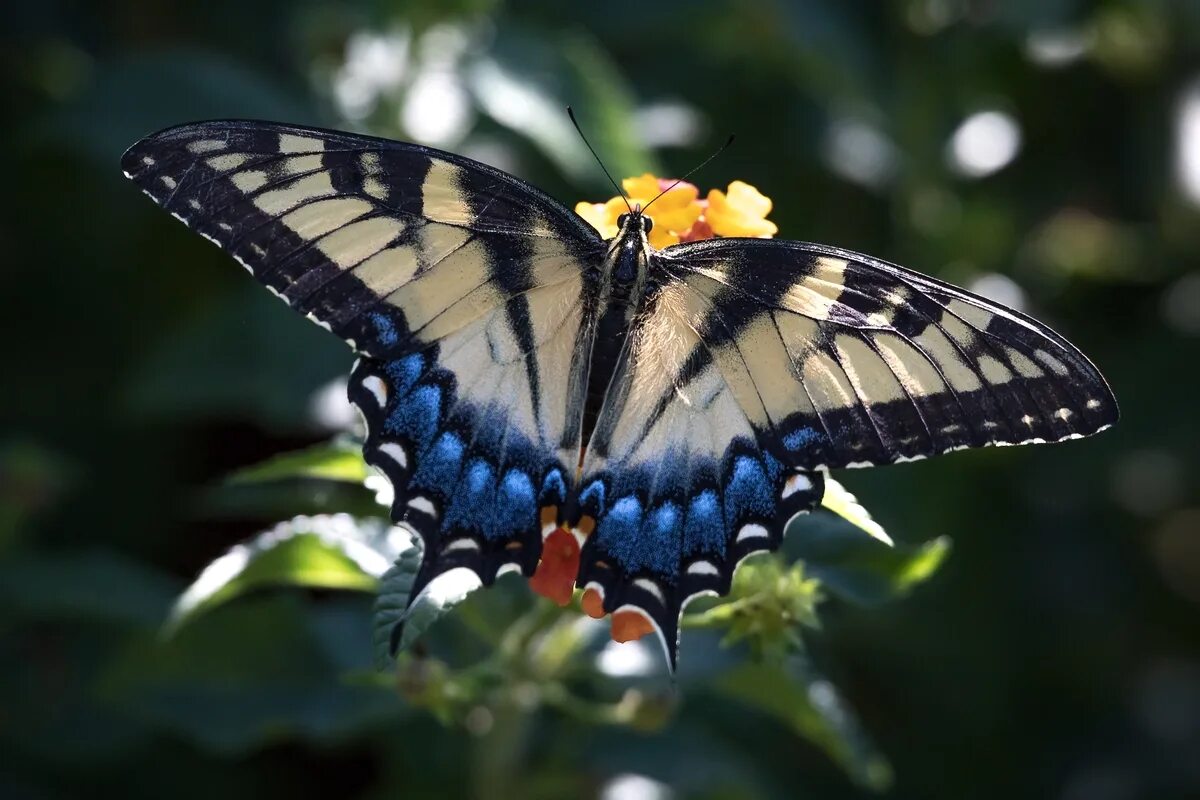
(647,224)
(621,220)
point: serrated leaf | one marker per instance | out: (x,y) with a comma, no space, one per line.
(857,567)
(326,552)
(395,587)
(795,694)
(338,460)
(397,624)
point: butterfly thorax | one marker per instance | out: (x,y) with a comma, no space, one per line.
(626,263)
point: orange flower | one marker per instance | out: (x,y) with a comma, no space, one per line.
(740,212)
(680,216)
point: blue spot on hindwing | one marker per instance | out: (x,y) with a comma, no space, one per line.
(801,438)
(594,493)
(404,372)
(641,542)
(663,521)
(554,488)
(516,506)
(385,329)
(618,531)
(440,465)
(417,415)
(704,530)
(473,504)
(748,492)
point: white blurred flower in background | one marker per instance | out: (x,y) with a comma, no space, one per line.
(628,659)
(420,76)
(1187,142)
(629,786)
(1000,289)
(331,409)
(669,123)
(859,152)
(375,65)
(986,142)
(437,109)
(1054,48)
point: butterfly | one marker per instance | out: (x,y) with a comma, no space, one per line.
(673,408)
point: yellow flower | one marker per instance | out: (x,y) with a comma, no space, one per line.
(740,212)
(602,216)
(679,215)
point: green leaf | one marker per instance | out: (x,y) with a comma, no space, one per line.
(795,694)
(247,357)
(395,587)
(272,500)
(337,460)
(856,566)
(253,674)
(89,586)
(397,624)
(767,604)
(326,552)
(111,112)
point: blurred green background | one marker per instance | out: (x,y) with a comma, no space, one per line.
(1046,154)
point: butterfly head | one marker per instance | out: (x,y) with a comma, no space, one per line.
(629,253)
(635,220)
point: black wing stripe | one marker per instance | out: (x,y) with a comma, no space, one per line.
(963,371)
(912,401)
(799,378)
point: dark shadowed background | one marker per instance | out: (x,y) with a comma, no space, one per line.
(1044,153)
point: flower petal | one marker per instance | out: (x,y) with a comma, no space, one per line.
(595,214)
(642,188)
(741,212)
(662,236)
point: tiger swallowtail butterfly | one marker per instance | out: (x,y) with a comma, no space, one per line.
(672,408)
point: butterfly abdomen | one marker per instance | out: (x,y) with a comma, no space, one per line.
(610,337)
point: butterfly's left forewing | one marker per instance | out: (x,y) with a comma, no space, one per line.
(464,290)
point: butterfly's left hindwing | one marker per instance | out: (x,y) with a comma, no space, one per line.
(464,290)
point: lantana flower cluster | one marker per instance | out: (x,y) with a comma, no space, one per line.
(679,216)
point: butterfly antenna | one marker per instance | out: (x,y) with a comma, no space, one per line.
(691,172)
(575,122)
